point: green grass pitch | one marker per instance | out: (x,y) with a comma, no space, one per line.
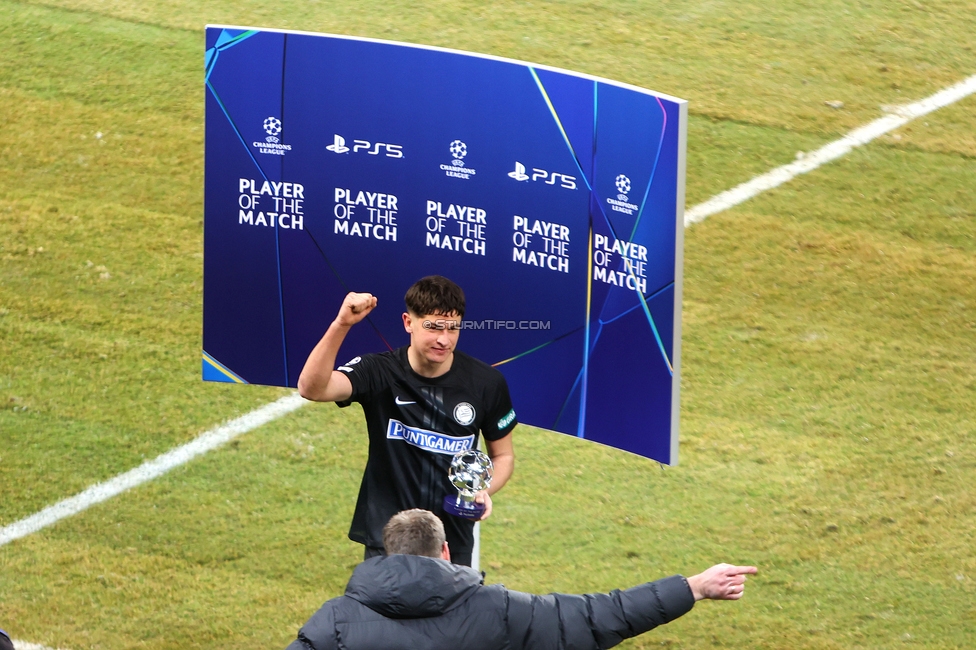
(828,433)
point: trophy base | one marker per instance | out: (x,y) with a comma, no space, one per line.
(463,509)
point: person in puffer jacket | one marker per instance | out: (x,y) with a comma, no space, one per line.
(414,598)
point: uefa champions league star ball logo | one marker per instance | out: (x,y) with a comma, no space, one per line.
(622,203)
(459,150)
(457,169)
(623,186)
(272,144)
(272,126)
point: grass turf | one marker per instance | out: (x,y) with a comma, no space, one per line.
(828,355)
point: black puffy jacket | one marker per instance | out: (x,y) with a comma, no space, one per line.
(421,603)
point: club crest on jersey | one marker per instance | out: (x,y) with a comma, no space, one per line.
(438,443)
(464,414)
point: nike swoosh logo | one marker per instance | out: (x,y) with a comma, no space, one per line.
(400,402)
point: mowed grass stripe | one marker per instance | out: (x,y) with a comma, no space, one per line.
(100,330)
(151,469)
(846,383)
(903,188)
(99,61)
(734,62)
(856,313)
(744,491)
(257,530)
(100,244)
(806,163)
(885,489)
(723,201)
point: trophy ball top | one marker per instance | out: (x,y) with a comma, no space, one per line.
(470,471)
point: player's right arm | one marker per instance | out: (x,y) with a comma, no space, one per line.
(319,381)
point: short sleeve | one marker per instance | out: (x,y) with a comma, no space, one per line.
(366,375)
(500,419)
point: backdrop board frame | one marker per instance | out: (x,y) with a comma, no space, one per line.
(555,199)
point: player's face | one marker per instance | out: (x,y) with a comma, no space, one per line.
(433,336)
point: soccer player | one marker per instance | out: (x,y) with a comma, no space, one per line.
(422,403)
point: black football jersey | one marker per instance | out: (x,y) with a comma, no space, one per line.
(416,424)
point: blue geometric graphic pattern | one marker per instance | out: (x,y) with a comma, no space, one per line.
(554,199)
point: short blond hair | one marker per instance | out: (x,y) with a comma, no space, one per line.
(414,532)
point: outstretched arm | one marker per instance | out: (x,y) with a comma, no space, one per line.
(319,381)
(599,621)
(595,621)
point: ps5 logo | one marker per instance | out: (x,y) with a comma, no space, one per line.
(338,145)
(550,178)
(519,173)
(372,148)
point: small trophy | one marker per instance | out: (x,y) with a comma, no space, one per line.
(470,473)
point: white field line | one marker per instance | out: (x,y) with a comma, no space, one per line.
(151,469)
(26,645)
(898,116)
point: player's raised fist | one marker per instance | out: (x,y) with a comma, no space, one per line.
(355,307)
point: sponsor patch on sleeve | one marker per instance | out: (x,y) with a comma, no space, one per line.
(347,367)
(506,420)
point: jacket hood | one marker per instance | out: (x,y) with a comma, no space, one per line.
(410,586)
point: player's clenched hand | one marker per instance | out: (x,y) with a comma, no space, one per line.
(485,498)
(720,582)
(355,307)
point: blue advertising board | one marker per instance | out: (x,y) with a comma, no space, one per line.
(554,199)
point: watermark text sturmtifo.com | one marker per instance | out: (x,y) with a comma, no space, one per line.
(488,324)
